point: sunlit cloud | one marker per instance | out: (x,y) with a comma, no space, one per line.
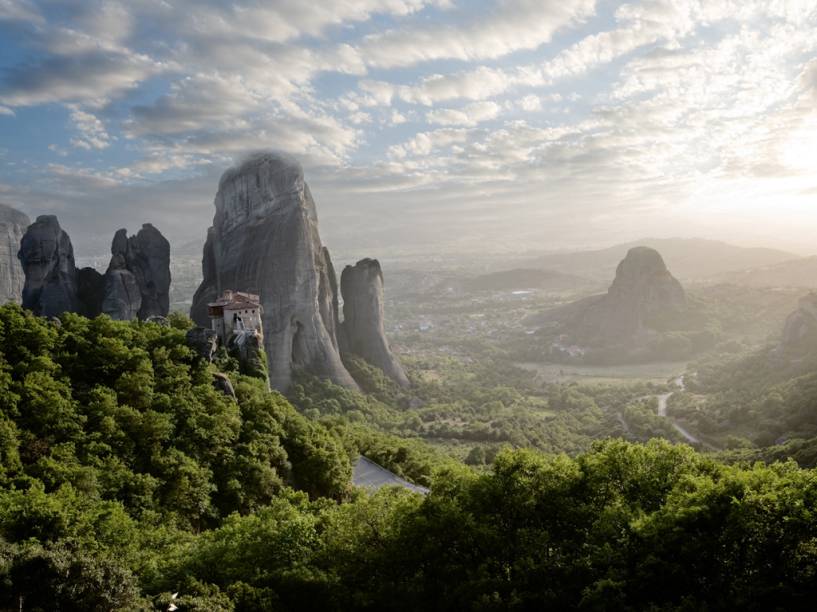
(538,122)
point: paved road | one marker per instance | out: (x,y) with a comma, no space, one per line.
(663,400)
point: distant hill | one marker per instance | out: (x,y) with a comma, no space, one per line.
(690,259)
(644,316)
(526,278)
(794,273)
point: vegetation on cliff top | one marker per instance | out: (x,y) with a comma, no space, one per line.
(125,477)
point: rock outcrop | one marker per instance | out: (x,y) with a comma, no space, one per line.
(800,331)
(265,240)
(122,297)
(13,225)
(137,283)
(203,341)
(246,347)
(90,292)
(141,262)
(222,383)
(643,296)
(362,330)
(47,258)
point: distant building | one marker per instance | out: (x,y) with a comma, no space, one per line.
(235,311)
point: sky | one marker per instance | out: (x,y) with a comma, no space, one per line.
(424,126)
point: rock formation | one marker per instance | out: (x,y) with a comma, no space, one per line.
(800,331)
(90,292)
(145,258)
(137,282)
(643,296)
(246,347)
(265,240)
(122,296)
(47,258)
(203,341)
(13,225)
(222,383)
(362,331)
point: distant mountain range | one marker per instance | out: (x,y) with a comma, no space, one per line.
(793,273)
(690,259)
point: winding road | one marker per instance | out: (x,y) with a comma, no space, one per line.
(663,400)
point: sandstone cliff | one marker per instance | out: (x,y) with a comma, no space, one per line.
(265,240)
(13,225)
(362,331)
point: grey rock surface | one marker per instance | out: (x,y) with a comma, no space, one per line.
(47,259)
(265,240)
(223,384)
(147,257)
(247,348)
(363,330)
(643,296)
(90,292)
(203,341)
(13,225)
(137,282)
(800,330)
(122,296)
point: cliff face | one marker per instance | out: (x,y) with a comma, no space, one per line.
(140,267)
(136,284)
(13,225)
(265,240)
(362,331)
(643,296)
(47,259)
(122,299)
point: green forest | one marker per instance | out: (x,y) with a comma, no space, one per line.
(127,477)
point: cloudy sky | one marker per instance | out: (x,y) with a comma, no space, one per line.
(423,125)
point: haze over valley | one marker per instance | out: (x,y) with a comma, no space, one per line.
(408,305)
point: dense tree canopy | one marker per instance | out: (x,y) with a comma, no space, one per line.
(125,476)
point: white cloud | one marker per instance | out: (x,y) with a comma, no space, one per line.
(54,148)
(682,102)
(469,115)
(196,102)
(89,76)
(424,143)
(512,26)
(20,10)
(285,20)
(478,84)
(530,103)
(92,133)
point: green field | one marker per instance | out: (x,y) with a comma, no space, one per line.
(620,374)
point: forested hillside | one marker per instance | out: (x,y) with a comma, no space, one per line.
(125,477)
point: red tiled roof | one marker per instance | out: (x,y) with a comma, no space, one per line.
(234,300)
(241,305)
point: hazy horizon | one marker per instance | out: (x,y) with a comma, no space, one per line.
(424,126)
